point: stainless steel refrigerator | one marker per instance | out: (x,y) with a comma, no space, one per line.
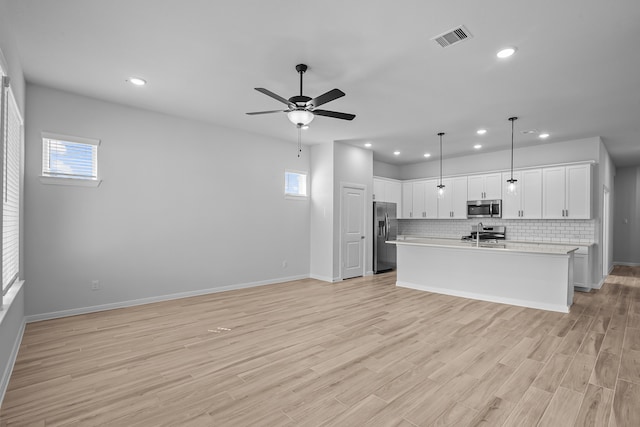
(385,227)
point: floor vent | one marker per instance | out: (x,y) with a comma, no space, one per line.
(453,36)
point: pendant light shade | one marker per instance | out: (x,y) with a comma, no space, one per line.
(441,187)
(512,184)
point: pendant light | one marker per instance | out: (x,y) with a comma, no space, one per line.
(512,184)
(441,190)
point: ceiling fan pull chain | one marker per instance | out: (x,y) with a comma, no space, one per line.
(299,140)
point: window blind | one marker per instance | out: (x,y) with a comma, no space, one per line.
(69,159)
(11,152)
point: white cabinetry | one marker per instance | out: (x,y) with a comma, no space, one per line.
(566,192)
(419,199)
(407,200)
(454,202)
(527,203)
(431,198)
(484,187)
(419,207)
(388,190)
(581,265)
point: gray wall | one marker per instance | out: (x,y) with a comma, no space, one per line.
(184,206)
(322,205)
(626,219)
(352,165)
(542,154)
(386,170)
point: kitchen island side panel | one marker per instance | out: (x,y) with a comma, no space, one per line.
(525,279)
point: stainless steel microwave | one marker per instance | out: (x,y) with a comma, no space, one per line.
(484,209)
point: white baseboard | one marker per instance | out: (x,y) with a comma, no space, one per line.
(323,278)
(482,297)
(6,375)
(627,264)
(141,301)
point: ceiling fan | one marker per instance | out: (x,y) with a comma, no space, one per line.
(302,109)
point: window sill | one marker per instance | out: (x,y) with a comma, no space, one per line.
(50,180)
(8,298)
(293,197)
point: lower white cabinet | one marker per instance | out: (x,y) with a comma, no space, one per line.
(582,268)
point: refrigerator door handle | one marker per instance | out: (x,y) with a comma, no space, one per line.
(387,226)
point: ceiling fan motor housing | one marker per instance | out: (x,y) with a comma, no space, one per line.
(300,99)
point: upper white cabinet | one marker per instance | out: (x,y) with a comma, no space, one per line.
(484,187)
(454,203)
(527,203)
(566,192)
(419,207)
(388,190)
(407,200)
(431,198)
(379,193)
(419,199)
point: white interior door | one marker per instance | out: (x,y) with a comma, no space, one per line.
(352,232)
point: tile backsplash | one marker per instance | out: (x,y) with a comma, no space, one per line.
(540,230)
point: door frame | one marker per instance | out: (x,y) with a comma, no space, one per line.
(606,221)
(362,187)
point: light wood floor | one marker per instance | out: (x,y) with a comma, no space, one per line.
(360,352)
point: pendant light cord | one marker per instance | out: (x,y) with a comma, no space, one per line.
(512,119)
(440,135)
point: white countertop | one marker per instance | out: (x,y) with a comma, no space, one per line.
(506,245)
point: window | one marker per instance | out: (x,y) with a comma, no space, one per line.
(295,184)
(69,160)
(12,137)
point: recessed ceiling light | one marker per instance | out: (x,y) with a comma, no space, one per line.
(368,144)
(137,81)
(506,52)
(481,131)
(396,153)
(528,132)
(427,154)
(477,146)
(543,135)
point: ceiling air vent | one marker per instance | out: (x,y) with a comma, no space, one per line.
(453,36)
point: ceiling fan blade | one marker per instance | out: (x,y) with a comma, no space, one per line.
(334,114)
(325,97)
(275,96)
(267,112)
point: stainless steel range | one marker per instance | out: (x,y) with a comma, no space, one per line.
(487,234)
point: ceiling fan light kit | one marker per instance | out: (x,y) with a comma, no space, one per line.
(300,117)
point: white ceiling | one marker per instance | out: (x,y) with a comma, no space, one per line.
(576,73)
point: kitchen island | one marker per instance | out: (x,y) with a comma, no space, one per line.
(530,275)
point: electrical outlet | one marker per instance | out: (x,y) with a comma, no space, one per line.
(95,285)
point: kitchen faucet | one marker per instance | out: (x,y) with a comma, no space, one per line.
(480,227)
